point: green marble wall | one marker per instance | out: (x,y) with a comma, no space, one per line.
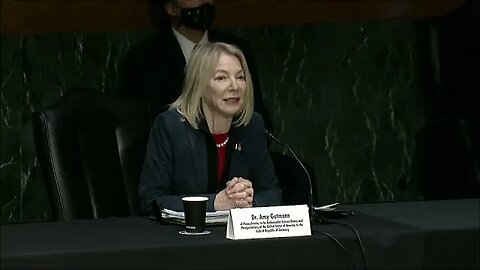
(345,96)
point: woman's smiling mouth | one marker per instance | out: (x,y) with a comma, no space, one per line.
(232,100)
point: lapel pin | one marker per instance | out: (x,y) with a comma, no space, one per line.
(238,146)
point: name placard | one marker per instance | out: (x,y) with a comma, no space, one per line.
(268,222)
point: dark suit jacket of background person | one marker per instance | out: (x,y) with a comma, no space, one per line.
(153,70)
(181,160)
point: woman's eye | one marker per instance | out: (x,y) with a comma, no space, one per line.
(241,77)
(221,77)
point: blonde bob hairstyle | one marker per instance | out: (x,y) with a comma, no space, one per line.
(199,71)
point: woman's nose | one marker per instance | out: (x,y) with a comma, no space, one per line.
(233,85)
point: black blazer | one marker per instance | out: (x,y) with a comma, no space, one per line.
(177,163)
(153,70)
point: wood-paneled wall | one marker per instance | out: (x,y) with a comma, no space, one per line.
(39,16)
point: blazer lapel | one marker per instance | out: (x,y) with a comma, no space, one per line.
(199,152)
(176,60)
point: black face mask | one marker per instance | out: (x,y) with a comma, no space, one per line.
(199,18)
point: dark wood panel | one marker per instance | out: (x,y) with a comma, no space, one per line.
(38,16)
(307,11)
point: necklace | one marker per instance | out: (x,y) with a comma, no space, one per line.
(219,145)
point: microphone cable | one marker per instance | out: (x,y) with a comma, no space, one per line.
(310,201)
(312,207)
(359,240)
(342,248)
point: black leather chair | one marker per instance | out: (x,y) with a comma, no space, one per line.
(91,149)
(448,159)
(292,179)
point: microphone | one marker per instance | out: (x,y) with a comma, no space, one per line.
(311,207)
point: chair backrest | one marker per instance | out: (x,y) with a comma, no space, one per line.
(91,149)
(448,159)
(292,179)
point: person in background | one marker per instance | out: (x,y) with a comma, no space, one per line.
(210,142)
(153,70)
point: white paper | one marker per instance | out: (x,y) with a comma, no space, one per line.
(217,217)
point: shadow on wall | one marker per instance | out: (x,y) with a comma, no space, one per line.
(448,146)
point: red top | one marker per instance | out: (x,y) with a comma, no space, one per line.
(221,152)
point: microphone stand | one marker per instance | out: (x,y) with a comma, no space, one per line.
(311,207)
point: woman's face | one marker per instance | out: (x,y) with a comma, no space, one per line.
(226,90)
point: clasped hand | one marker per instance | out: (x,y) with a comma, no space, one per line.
(237,193)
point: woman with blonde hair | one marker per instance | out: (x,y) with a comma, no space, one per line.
(210,142)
